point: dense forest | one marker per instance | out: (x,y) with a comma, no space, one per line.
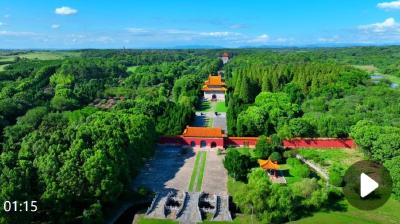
(75,131)
(309,93)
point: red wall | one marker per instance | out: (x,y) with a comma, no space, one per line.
(251,142)
(241,141)
(319,143)
(180,140)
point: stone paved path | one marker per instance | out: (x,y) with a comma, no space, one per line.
(168,170)
(215,176)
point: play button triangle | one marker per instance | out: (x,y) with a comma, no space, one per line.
(367,185)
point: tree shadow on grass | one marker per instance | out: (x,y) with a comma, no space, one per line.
(204,106)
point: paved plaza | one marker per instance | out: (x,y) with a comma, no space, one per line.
(215,176)
(167,170)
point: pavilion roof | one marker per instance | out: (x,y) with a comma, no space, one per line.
(214,80)
(268,164)
(202,132)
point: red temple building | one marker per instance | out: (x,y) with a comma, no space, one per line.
(204,137)
(214,88)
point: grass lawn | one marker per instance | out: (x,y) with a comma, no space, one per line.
(289,178)
(143,220)
(220,107)
(372,69)
(194,171)
(210,122)
(392,78)
(327,157)
(388,213)
(245,151)
(196,178)
(201,172)
(49,55)
(239,219)
(367,68)
(131,68)
(2,67)
(43,55)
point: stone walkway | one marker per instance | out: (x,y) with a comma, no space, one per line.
(219,121)
(215,176)
(314,166)
(169,170)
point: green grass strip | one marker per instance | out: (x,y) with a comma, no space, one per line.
(194,172)
(210,122)
(201,173)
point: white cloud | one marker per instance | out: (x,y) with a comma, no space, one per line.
(15,34)
(219,34)
(329,39)
(389,24)
(138,31)
(389,5)
(55,26)
(65,11)
(263,38)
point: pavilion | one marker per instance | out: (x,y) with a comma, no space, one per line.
(214,88)
(269,166)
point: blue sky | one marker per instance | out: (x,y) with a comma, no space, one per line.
(173,23)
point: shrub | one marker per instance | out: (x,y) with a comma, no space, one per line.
(297,168)
(336,175)
(238,165)
(263,148)
(276,157)
(289,154)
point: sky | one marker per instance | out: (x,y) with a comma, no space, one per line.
(73,24)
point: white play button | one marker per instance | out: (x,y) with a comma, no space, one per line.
(367,185)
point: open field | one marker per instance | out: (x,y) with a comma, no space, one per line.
(327,157)
(392,78)
(372,69)
(131,68)
(2,67)
(388,213)
(42,55)
(367,68)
